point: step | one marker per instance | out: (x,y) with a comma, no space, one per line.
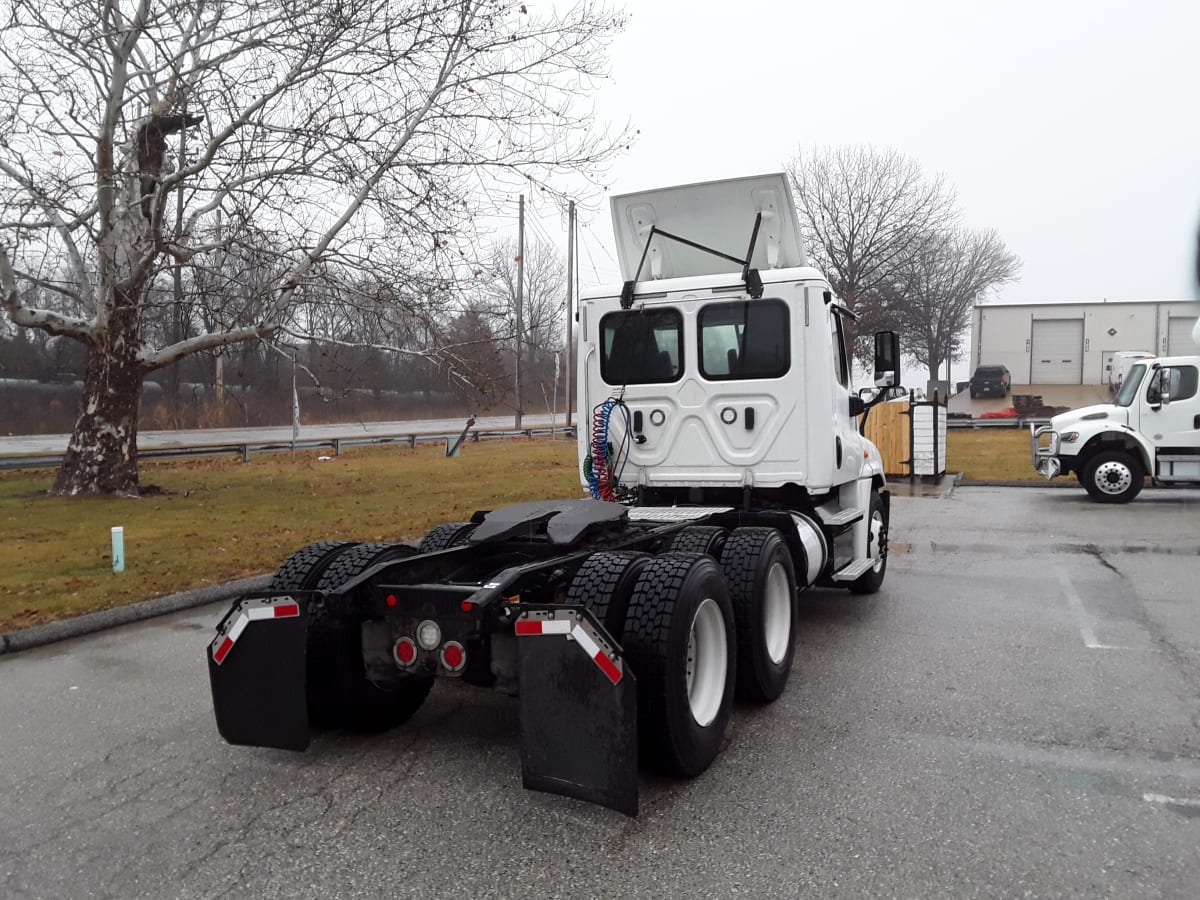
(835,515)
(853,571)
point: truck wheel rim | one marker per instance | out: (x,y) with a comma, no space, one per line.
(777,614)
(1113,477)
(875,541)
(707,662)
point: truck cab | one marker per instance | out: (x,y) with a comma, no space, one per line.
(1152,428)
(723,375)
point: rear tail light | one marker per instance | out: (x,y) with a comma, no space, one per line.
(405,652)
(454,656)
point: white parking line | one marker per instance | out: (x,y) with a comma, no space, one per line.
(1082,619)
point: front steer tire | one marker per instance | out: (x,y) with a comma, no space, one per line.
(877,549)
(680,641)
(1113,476)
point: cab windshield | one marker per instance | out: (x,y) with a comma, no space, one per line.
(1130,387)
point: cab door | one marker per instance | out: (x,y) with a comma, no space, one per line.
(848,445)
(1171,417)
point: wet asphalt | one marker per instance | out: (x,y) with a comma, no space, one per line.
(1016,714)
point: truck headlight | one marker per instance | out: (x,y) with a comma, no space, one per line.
(1069,438)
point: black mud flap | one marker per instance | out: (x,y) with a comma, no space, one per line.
(256,668)
(578,710)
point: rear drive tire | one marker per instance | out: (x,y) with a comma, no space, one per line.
(707,539)
(340,694)
(604,584)
(680,641)
(302,570)
(1114,476)
(761,576)
(445,536)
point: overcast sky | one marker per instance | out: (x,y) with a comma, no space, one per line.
(1071,127)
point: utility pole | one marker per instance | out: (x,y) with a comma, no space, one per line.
(177,278)
(570,303)
(219,361)
(520,298)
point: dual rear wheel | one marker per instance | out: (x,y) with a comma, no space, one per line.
(715,613)
(339,694)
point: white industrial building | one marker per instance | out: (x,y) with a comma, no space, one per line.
(1072,342)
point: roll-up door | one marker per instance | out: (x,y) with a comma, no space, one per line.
(1179,336)
(1057,351)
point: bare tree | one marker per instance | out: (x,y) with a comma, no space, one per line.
(354,134)
(543,304)
(945,272)
(860,210)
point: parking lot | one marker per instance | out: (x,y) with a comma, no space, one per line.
(1016,714)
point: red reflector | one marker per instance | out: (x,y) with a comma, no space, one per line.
(467,606)
(607,667)
(391,599)
(286,610)
(529,627)
(223,651)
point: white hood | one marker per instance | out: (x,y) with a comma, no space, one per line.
(1108,411)
(717,214)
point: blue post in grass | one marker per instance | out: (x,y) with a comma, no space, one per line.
(118,548)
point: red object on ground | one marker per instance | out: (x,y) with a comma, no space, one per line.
(1010,413)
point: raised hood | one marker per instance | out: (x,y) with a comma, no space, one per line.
(717,214)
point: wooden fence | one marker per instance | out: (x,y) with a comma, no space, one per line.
(901,441)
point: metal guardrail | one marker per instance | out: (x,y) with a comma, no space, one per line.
(246,449)
(1015,422)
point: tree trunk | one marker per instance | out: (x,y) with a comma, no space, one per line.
(101,457)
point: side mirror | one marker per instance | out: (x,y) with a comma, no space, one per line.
(857,406)
(1159,392)
(887,359)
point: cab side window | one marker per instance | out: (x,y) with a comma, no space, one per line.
(1180,382)
(841,366)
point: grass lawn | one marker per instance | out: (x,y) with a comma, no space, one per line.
(1000,454)
(212,520)
(217,519)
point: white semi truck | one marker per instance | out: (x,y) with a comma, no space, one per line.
(722,452)
(1152,428)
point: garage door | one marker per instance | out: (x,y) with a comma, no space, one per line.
(1179,336)
(1057,351)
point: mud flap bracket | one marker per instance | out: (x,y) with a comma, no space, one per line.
(578,709)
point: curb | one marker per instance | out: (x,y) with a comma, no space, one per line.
(88,623)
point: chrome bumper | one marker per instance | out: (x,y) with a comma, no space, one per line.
(1045,459)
